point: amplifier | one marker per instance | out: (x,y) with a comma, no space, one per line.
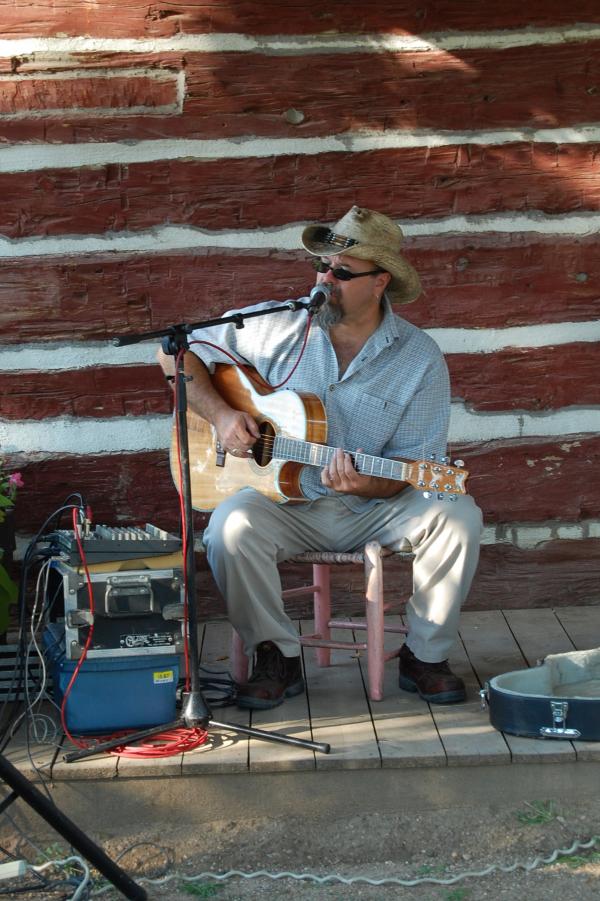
(136,611)
(106,543)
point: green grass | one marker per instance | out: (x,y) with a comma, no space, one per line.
(539,812)
(431,869)
(201,889)
(573,861)
(457,894)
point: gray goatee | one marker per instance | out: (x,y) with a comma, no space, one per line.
(328,315)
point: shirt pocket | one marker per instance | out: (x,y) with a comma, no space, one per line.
(376,422)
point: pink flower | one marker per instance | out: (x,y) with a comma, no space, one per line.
(15,480)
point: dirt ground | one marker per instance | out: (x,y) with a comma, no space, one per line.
(437,844)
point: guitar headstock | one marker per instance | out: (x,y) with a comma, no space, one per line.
(438,478)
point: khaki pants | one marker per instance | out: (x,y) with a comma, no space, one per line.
(248,535)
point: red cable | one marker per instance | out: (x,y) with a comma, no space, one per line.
(240,363)
(168,743)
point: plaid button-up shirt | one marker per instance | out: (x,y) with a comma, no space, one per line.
(393,400)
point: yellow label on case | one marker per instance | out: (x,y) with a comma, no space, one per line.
(164,676)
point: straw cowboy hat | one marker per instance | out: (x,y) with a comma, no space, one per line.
(367,235)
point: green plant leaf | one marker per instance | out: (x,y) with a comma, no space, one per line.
(8,596)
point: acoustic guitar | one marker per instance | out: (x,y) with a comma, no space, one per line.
(293,434)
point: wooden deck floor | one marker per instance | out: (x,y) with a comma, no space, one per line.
(400,731)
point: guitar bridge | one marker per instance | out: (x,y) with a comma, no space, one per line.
(220,455)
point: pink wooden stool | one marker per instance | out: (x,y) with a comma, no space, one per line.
(373,624)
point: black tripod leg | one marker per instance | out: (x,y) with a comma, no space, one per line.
(69,831)
(132,737)
(323,747)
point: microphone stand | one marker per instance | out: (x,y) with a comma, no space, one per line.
(195,711)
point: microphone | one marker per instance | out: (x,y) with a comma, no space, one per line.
(318,296)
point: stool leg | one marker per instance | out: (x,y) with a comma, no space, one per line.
(375,619)
(239,660)
(321,579)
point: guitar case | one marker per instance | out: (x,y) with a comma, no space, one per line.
(560,698)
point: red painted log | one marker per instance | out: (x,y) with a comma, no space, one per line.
(521,379)
(261,193)
(499,281)
(96,392)
(521,480)
(23,95)
(533,480)
(233,94)
(130,18)
(544,378)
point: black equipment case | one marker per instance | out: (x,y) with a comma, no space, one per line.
(560,698)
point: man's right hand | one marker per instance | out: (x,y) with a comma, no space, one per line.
(237,431)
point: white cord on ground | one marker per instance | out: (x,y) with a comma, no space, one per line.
(352,880)
(63,863)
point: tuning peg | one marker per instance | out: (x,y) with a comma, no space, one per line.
(432,456)
(444,459)
(441,497)
(459,463)
(427,495)
(452,497)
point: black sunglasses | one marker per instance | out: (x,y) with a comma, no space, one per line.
(343,275)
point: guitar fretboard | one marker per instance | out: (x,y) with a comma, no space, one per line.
(319,455)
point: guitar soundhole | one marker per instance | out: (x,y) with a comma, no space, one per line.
(263,449)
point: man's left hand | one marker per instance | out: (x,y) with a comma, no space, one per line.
(341,476)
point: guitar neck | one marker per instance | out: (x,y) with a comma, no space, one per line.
(320,455)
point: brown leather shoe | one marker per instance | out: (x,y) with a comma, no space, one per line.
(435,682)
(273,679)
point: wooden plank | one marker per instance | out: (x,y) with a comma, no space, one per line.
(291,718)
(547,488)
(132,19)
(464,729)
(551,476)
(105,391)
(582,625)
(119,92)
(339,711)
(403,724)
(493,650)
(538,633)
(225,751)
(401,90)
(478,281)
(256,192)
(516,379)
(94,392)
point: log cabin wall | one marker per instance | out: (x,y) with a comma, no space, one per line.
(158,162)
